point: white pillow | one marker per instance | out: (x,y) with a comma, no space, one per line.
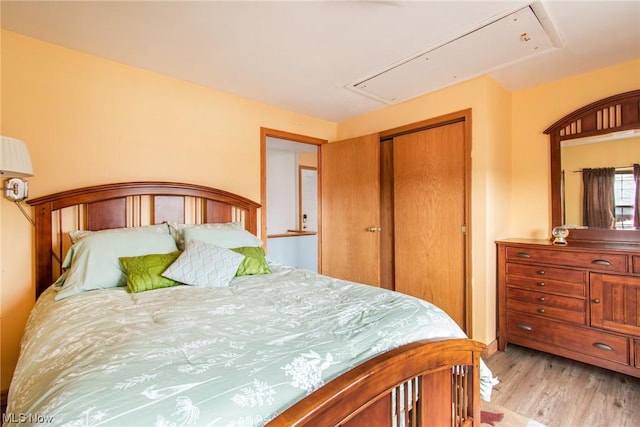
(205,265)
(177,230)
(77,235)
(224,238)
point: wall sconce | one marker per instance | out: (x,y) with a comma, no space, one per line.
(15,165)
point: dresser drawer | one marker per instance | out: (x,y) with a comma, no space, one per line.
(547,305)
(552,280)
(593,343)
(548,300)
(542,272)
(592,260)
(548,312)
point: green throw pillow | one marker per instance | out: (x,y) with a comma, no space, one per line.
(144,273)
(254,261)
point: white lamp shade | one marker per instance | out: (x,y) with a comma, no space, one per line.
(14,158)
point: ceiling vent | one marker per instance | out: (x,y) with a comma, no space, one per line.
(507,40)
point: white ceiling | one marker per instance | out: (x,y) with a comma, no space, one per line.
(304,55)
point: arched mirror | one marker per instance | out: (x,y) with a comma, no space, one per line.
(603,136)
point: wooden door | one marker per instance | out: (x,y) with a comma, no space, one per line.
(429,217)
(350,179)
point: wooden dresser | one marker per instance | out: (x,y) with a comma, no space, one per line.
(580,301)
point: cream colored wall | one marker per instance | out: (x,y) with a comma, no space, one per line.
(90,121)
(534,110)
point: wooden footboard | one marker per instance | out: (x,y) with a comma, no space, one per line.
(426,383)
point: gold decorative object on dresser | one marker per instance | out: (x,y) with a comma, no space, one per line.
(580,300)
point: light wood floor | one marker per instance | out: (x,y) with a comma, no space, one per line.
(563,393)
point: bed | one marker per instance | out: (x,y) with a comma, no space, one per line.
(120,339)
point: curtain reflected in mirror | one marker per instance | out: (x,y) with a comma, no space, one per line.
(598,201)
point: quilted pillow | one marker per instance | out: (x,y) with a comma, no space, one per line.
(254,261)
(206,265)
(144,273)
(93,262)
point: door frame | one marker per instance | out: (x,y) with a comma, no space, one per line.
(465,117)
(293,137)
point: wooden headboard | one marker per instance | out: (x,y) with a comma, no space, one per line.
(126,204)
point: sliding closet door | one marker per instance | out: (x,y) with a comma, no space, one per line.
(350,179)
(429,216)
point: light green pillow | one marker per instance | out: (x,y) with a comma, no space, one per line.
(93,262)
(254,261)
(144,273)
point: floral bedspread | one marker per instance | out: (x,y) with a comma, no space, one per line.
(187,356)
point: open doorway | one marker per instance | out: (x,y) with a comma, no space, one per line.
(290,212)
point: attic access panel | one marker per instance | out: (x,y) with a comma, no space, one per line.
(509,39)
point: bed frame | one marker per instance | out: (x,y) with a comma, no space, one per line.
(427,383)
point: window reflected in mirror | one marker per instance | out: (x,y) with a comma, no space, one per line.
(624,196)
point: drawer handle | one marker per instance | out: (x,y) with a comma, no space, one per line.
(540,283)
(596,300)
(525,327)
(541,310)
(541,299)
(541,272)
(523,255)
(600,262)
(603,346)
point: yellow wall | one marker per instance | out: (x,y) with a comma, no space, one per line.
(534,110)
(308,159)
(90,121)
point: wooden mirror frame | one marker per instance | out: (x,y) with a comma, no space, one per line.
(616,113)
